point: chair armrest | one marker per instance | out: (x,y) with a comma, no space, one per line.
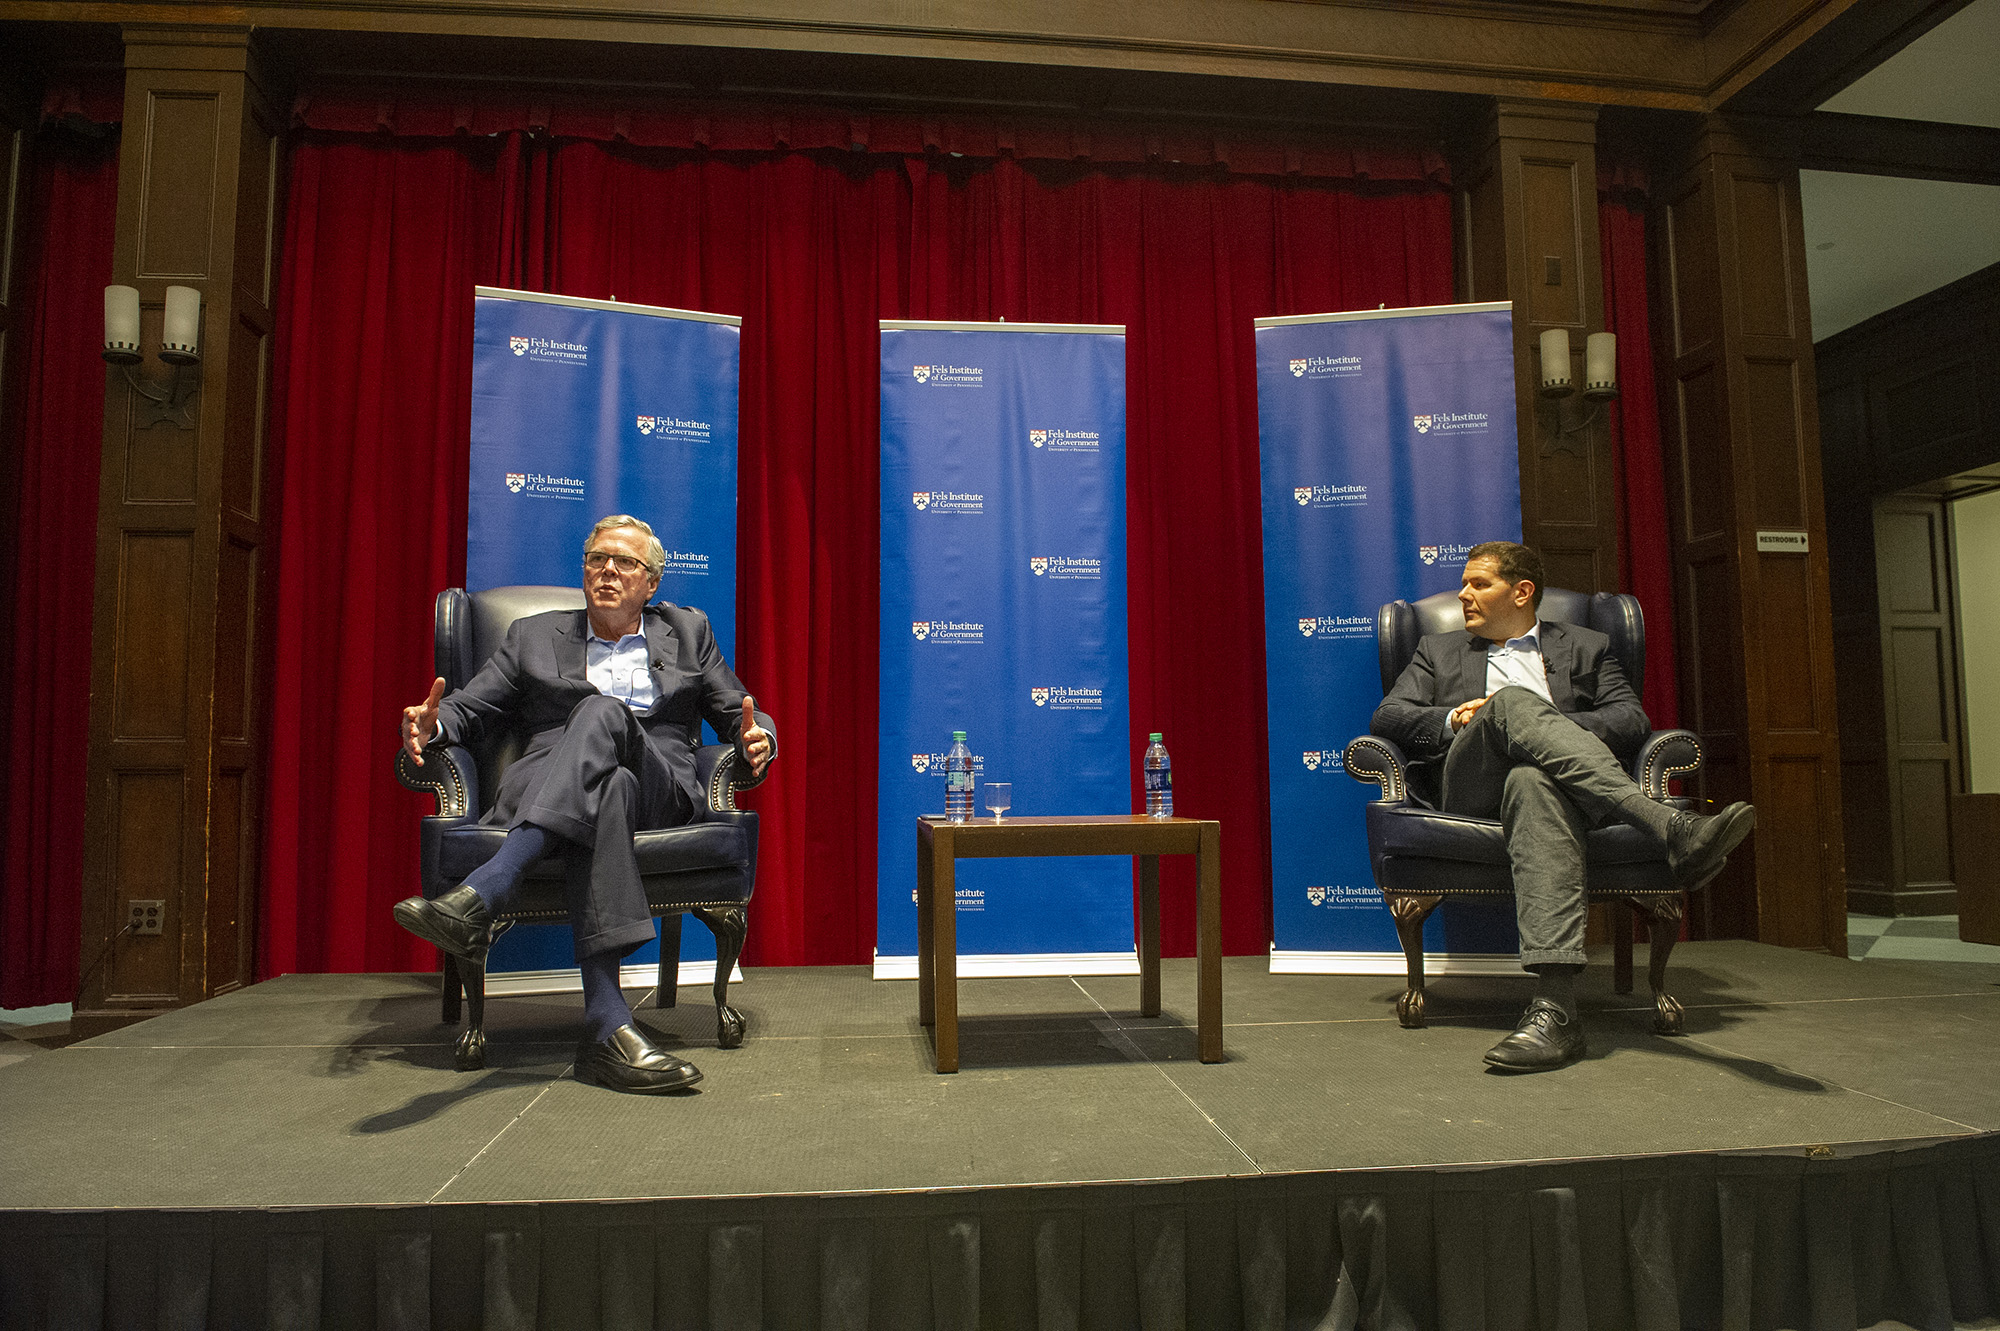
(722,772)
(448,773)
(1372,758)
(1667,754)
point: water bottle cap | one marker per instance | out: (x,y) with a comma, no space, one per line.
(1154,738)
(958,737)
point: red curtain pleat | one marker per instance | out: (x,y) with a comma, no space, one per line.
(1644,552)
(385,238)
(73,208)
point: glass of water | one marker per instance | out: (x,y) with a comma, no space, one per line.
(999,797)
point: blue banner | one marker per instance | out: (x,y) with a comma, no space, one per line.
(582,408)
(1387,447)
(1003,615)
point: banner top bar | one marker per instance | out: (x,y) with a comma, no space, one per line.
(949,326)
(1348,316)
(615,306)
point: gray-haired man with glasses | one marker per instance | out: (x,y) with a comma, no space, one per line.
(612,697)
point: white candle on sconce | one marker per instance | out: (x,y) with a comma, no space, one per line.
(1600,366)
(180,344)
(121,325)
(1555,363)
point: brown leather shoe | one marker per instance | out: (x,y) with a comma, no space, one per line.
(629,1061)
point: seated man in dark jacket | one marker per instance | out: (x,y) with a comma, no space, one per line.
(1532,722)
(612,698)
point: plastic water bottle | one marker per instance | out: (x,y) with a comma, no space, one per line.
(1159,779)
(958,780)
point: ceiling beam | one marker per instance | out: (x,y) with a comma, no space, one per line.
(1916,149)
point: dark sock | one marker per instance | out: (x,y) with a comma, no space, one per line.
(500,875)
(1557,983)
(604,1005)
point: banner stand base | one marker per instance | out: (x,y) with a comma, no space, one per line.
(500,984)
(1003,965)
(1392,963)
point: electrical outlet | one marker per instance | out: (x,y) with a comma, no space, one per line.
(145,917)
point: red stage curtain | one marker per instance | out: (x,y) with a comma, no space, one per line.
(385,237)
(1644,553)
(72,213)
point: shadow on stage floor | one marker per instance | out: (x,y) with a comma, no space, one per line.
(1817,1150)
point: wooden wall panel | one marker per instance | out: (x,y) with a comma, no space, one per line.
(180,535)
(1758,663)
(1529,224)
(1910,406)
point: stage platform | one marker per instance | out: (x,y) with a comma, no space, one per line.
(1819,1150)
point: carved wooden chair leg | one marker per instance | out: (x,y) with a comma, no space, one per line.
(453,988)
(1664,913)
(470,1055)
(1621,946)
(729,924)
(1410,914)
(670,960)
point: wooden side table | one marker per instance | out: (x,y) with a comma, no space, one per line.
(941,844)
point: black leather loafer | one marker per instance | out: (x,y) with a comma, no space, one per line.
(1546,1038)
(1699,844)
(456,922)
(629,1061)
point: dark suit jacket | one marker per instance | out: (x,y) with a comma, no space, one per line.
(539,675)
(1586,684)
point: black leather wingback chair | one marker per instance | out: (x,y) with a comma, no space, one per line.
(708,868)
(1421,855)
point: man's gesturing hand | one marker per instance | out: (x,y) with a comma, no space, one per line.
(756,739)
(420,723)
(1463,713)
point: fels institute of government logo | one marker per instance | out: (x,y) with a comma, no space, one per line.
(518,345)
(1312,757)
(923,373)
(921,761)
(1306,626)
(1040,564)
(1041,696)
(1316,895)
(1038,437)
(1428,553)
(921,628)
(646,424)
(1299,368)
(515,480)
(1423,424)
(1302,493)
(921,498)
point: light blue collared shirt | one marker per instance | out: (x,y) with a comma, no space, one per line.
(1518,661)
(621,669)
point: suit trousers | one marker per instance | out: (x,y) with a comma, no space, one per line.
(1549,781)
(602,783)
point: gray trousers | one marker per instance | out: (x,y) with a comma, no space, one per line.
(1549,781)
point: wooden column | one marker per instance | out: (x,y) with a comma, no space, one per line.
(172,808)
(1528,233)
(1742,444)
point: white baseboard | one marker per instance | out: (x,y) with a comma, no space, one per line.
(642,976)
(1392,963)
(1009,964)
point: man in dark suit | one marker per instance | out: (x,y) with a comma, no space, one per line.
(612,698)
(1533,722)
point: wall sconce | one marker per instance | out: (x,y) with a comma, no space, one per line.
(180,347)
(1600,381)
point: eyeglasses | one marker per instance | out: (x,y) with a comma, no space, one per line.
(595,560)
